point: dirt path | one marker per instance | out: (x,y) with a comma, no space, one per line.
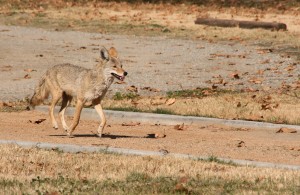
(158,62)
(220,141)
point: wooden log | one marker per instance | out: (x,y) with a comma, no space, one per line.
(241,24)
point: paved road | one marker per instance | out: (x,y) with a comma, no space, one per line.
(156,62)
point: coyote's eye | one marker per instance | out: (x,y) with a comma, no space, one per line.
(115,66)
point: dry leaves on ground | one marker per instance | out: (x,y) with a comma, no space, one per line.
(132,88)
(27,76)
(286,130)
(131,124)
(241,144)
(180,127)
(37,121)
(29,70)
(170,101)
(158,101)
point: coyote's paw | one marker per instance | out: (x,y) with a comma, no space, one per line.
(70,135)
(99,135)
(66,128)
(55,126)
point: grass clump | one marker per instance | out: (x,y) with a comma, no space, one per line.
(125,109)
(219,161)
(163,111)
(198,93)
(123,96)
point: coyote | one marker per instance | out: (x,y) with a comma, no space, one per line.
(89,86)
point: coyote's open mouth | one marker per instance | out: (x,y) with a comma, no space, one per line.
(118,77)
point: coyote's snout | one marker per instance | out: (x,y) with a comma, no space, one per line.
(87,85)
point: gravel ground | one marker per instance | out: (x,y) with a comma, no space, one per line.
(157,62)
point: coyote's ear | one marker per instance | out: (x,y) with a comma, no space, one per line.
(113,52)
(104,53)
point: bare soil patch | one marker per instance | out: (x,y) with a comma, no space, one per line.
(221,141)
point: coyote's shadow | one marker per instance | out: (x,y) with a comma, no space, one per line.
(110,136)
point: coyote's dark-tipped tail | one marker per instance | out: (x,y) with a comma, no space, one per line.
(40,93)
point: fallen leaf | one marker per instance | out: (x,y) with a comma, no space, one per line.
(256,80)
(8,104)
(266,106)
(217,81)
(180,127)
(290,67)
(157,101)
(156,135)
(27,76)
(217,76)
(170,101)
(260,72)
(286,130)
(132,88)
(150,89)
(241,144)
(276,105)
(255,117)
(6,68)
(29,70)
(131,124)
(37,121)
(207,92)
(295,148)
(264,51)
(235,76)
(267,61)
(134,102)
(214,87)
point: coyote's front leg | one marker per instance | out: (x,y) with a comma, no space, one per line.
(99,110)
(76,118)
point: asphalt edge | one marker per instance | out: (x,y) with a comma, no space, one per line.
(76,149)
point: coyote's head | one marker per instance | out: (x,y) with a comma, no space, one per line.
(113,65)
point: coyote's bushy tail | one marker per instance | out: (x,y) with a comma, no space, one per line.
(41,92)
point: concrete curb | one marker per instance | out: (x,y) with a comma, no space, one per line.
(164,119)
(76,148)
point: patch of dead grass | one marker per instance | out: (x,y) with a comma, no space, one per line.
(275,108)
(24,165)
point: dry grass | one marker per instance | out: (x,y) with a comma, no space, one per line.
(254,106)
(259,106)
(22,168)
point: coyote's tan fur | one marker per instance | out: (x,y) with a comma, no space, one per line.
(87,85)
